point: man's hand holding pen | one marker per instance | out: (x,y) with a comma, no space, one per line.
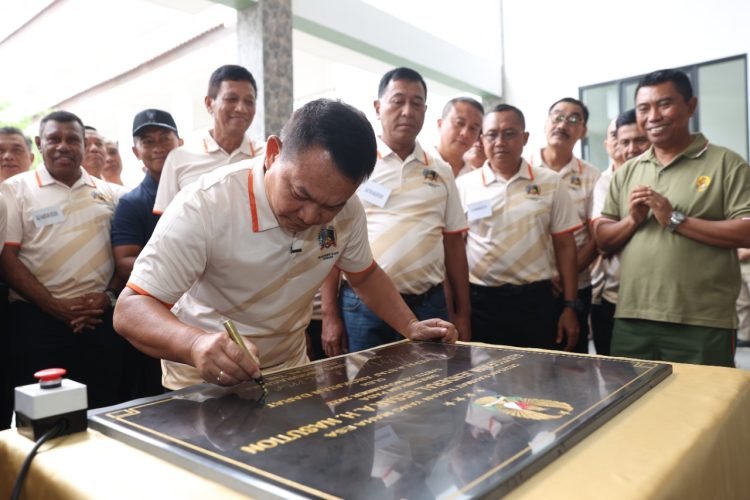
(221,361)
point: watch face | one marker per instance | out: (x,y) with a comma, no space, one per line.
(675,220)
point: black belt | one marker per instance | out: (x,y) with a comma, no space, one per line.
(412,300)
(509,290)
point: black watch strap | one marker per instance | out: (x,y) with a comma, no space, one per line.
(572,304)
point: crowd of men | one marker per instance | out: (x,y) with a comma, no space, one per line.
(463,240)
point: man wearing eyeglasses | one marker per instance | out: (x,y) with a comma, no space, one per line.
(678,212)
(521,224)
(565,126)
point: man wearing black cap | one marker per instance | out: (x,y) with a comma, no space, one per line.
(154,136)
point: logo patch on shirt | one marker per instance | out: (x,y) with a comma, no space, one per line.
(575,181)
(99,196)
(327,239)
(533,190)
(702,183)
(430,176)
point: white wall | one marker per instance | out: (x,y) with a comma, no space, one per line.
(552,48)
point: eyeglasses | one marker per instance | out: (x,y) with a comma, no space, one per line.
(570,119)
(506,135)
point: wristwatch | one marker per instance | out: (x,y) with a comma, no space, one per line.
(575,304)
(112,296)
(675,220)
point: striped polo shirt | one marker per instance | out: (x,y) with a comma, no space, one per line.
(511,224)
(420,203)
(219,253)
(63,233)
(196,157)
(580,178)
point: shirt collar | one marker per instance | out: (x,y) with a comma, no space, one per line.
(489,176)
(697,147)
(44,178)
(211,146)
(149,184)
(574,166)
(418,154)
(261,214)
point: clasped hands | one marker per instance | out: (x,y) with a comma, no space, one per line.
(643,199)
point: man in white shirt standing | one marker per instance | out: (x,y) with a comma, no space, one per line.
(565,126)
(230,100)
(521,225)
(630,142)
(58,264)
(459,129)
(415,226)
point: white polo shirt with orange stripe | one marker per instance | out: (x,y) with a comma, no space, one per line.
(580,177)
(511,224)
(196,157)
(63,233)
(219,253)
(464,170)
(410,205)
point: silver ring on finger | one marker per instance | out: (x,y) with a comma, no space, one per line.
(221,374)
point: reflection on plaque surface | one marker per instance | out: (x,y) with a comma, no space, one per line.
(408,420)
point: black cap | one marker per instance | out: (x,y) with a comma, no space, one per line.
(153,117)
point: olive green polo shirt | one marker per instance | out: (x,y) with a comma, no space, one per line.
(666,276)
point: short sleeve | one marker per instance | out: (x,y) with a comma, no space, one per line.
(611,208)
(737,188)
(455,218)
(168,183)
(600,195)
(357,255)
(177,253)
(596,175)
(127,224)
(564,214)
(11,193)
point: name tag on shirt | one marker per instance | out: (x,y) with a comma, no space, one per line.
(374,193)
(479,210)
(47,216)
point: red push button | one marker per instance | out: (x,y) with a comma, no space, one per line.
(50,378)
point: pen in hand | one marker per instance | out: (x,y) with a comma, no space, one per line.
(237,339)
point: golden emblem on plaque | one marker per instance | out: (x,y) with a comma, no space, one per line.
(528,408)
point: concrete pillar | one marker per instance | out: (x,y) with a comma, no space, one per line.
(264,46)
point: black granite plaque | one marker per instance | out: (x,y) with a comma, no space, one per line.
(408,420)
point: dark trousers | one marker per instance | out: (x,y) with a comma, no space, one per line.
(141,376)
(315,342)
(514,315)
(582,314)
(602,324)
(6,390)
(92,357)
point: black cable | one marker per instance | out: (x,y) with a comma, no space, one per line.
(59,427)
